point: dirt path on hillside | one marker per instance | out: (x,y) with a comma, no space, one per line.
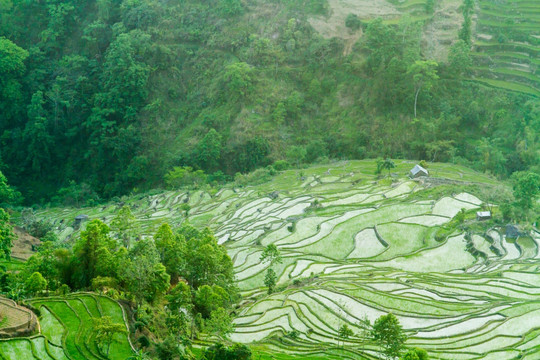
(334,24)
(22,245)
(442,31)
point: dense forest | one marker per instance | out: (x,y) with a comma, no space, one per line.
(105,98)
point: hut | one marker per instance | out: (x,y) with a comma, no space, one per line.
(513,231)
(79,219)
(418,171)
(483,215)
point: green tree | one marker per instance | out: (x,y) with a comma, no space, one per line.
(179,298)
(415,354)
(125,225)
(171,250)
(144,275)
(430,6)
(184,176)
(206,262)
(7,194)
(220,323)
(94,254)
(36,134)
(238,79)
(35,284)
(208,151)
(270,280)
(210,298)
(296,154)
(271,255)
(353,22)
(6,235)
(344,332)
(465,31)
(106,331)
(386,164)
(424,76)
(12,58)
(221,352)
(381,43)
(279,114)
(526,188)
(459,58)
(388,333)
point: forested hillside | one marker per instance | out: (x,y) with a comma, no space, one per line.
(103,98)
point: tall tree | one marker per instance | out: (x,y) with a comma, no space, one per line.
(37,136)
(271,255)
(208,151)
(424,76)
(125,225)
(270,280)
(145,277)
(94,254)
(388,333)
(106,331)
(6,235)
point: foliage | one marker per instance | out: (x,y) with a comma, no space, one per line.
(6,235)
(206,262)
(270,280)
(35,284)
(415,354)
(344,332)
(388,333)
(424,75)
(526,188)
(387,164)
(7,193)
(220,323)
(93,254)
(220,352)
(106,331)
(125,226)
(208,299)
(271,255)
(184,176)
(353,22)
(143,273)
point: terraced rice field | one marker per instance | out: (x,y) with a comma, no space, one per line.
(508,44)
(15,319)
(369,248)
(66,330)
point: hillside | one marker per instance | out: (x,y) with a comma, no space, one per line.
(104,98)
(355,247)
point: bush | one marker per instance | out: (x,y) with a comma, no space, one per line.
(143,341)
(76,195)
(316,149)
(185,176)
(353,22)
(281,165)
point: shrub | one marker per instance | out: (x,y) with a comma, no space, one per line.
(353,22)
(185,176)
(143,341)
(281,165)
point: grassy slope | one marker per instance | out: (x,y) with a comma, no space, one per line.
(448,300)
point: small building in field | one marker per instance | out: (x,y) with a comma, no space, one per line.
(483,215)
(418,171)
(79,219)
